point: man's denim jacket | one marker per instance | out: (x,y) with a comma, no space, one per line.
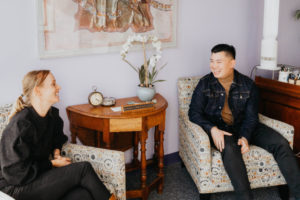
(208,101)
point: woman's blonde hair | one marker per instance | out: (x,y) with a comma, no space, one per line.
(30,81)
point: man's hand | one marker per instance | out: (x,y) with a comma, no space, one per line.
(60,161)
(56,153)
(218,137)
(244,143)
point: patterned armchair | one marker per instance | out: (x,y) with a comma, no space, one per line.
(108,164)
(205,164)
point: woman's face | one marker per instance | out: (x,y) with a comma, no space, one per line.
(49,90)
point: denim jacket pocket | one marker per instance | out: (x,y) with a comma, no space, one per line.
(212,103)
(240,99)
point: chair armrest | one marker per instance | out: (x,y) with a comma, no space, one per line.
(4,196)
(108,164)
(199,141)
(286,130)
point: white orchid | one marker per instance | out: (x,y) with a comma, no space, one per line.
(152,61)
(148,70)
(157,44)
(154,38)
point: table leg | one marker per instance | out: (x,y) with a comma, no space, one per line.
(98,139)
(135,148)
(161,161)
(156,139)
(106,135)
(143,138)
(73,134)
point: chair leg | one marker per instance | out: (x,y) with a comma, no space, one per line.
(284,192)
(204,196)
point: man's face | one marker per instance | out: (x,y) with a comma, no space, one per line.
(221,64)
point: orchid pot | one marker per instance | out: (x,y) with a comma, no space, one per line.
(145,93)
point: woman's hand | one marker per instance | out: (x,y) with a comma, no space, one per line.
(56,153)
(60,161)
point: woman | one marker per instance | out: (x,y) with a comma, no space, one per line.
(35,132)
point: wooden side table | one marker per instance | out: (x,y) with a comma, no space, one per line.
(105,122)
(281,101)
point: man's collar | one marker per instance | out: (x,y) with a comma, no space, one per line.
(236,78)
(212,79)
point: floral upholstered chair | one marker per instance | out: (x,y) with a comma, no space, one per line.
(205,164)
(108,164)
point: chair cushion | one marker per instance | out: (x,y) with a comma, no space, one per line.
(4,196)
(261,167)
(210,176)
(4,114)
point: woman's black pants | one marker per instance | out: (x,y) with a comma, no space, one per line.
(270,140)
(76,181)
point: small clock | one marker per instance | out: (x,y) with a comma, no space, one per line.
(95,97)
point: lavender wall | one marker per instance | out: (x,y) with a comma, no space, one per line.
(201,24)
(289,33)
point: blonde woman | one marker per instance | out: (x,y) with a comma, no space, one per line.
(35,131)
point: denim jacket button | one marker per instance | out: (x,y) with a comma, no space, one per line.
(222,94)
(220,107)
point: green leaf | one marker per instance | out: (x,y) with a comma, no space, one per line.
(162,67)
(152,73)
(133,67)
(142,74)
(158,81)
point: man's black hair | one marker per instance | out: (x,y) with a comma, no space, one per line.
(229,49)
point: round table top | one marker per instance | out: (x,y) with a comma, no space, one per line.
(107,112)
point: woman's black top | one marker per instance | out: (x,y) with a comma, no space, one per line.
(26,144)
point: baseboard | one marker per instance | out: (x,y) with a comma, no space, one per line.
(171,158)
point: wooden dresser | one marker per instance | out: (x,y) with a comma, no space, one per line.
(281,101)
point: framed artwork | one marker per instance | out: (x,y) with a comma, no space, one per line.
(79,27)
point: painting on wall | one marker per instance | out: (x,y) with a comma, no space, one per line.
(79,27)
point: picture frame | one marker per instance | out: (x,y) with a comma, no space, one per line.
(83,27)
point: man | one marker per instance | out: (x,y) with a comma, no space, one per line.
(225,105)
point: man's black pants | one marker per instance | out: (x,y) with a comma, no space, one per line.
(76,181)
(270,140)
